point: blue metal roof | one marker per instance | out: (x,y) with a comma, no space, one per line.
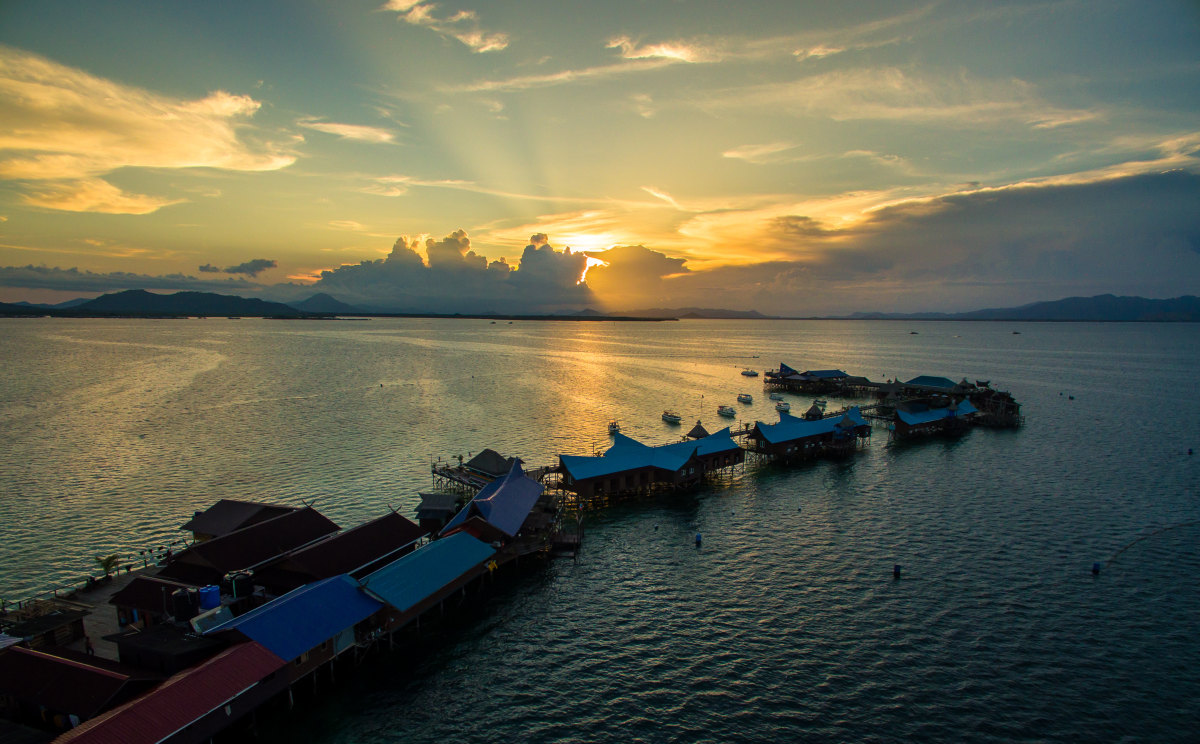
(407,581)
(825,374)
(935,414)
(790,428)
(504,503)
(931,381)
(629,454)
(304,618)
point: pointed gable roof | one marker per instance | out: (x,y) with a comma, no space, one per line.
(790,428)
(697,432)
(504,503)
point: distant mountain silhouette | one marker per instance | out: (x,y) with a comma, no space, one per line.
(1099,308)
(698,313)
(324,303)
(58,306)
(141,302)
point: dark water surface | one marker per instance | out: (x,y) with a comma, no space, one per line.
(785,625)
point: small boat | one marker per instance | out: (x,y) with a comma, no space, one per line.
(749,373)
(820,403)
(727,411)
(613,427)
(745,398)
(776,396)
(783,406)
(671,417)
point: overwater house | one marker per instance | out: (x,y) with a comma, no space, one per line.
(166,648)
(356,551)
(194,705)
(796,438)
(307,627)
(928,385)
(46,623)
(229,515)
(438,508)
(815,381)
(921,418)
(57,693)
(503,513)
(210,561)
(423,579)
(630,467)
(474,474)
(146,601)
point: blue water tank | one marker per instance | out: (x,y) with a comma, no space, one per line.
(210,597)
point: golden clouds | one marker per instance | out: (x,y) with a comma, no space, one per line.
(63,129)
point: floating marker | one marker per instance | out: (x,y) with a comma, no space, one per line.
(1189,450)
(1095,569)
(656,528)
(896,571)
(697,538)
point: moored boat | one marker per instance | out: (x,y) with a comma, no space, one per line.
(745,398)
(727,411)
(671,417)
(776,396)
(613,427)
(783,406)
(749,372)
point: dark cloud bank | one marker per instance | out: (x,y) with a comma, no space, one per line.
(1134,236)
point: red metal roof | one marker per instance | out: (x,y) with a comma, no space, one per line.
(60,684)
(182,699)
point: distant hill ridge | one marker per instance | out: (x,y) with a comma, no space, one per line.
(137,302)
(1105,307)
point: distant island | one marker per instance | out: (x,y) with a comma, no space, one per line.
(139,303)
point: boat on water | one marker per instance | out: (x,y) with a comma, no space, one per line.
(820,403)
(783,406)
(727,411)
(613,427)
(749,372)
(745,398)
(776,396)
(671,417)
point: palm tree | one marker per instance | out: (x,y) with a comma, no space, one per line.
(108,563)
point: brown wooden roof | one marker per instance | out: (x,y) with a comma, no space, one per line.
(228,515)
(208,562)
(343,553)
(62,685)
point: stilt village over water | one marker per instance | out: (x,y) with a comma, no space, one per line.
(265,607)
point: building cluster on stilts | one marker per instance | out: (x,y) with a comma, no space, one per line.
(268,601)
(264,605)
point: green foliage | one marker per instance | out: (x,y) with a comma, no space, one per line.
(108,563)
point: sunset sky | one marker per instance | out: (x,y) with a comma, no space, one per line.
(793,157)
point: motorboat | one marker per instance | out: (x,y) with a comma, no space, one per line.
(776,396)
(671,417)
(783,406)
(749,373)
(745,398)
(614,427)
(727,411)
(820,403)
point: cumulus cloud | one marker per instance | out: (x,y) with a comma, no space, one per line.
(253,267)
(453,277)
(462,25)
(65,128)
(633,275)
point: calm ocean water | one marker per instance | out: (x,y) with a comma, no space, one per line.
(785,625)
